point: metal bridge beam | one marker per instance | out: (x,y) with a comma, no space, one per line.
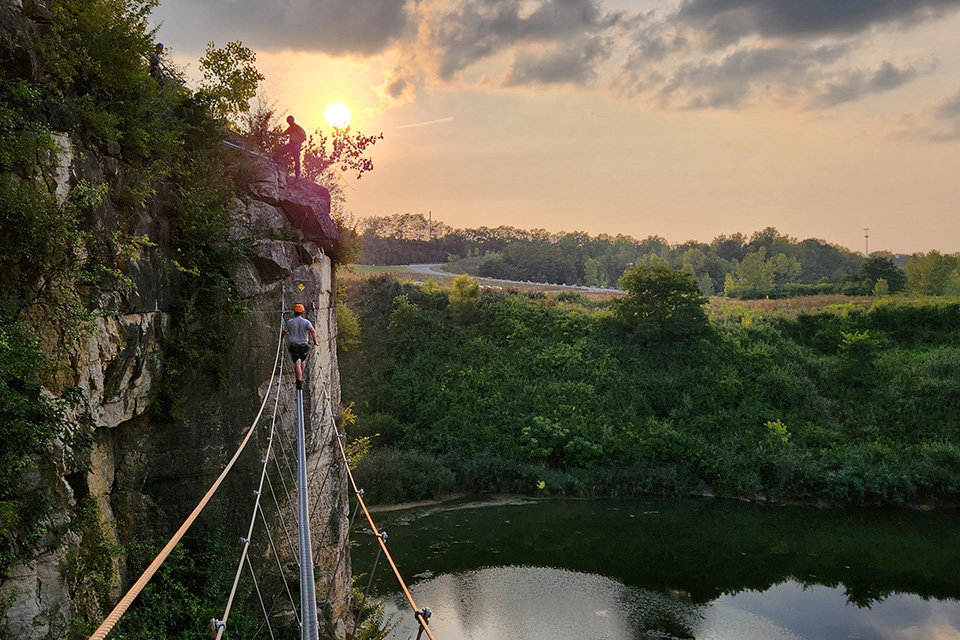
(308,592)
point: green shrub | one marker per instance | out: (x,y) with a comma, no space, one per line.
(29,422)
(843,407)
(389,475)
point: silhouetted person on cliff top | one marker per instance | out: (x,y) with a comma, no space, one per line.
(299,328)
(296,136)
(156,63)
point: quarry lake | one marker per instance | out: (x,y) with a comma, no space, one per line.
(504,568)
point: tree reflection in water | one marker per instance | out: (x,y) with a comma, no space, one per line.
(673,560)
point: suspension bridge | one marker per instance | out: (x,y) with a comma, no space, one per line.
(285,464)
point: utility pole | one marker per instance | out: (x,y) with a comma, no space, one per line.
(866,241)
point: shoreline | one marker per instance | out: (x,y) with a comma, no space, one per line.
(820,504)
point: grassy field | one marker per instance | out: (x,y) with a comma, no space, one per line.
(732,308)
(719,308)
(360,271)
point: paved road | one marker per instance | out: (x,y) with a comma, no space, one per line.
(431,269)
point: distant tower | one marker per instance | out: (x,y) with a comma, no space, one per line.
(866,241)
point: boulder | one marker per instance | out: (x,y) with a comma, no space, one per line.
(273,260)
(307,206)
(269,180)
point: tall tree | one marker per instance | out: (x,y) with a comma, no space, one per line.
(661,303)
(931,273)
(755,276)
(230,79)
(881,267)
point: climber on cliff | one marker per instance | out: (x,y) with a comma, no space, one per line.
(298,328)
(296,136)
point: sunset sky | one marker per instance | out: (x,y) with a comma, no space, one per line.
(685,119)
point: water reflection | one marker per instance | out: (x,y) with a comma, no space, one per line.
(823,613)
(689,569)
(538,603)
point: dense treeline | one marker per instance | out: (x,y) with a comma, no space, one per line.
(765,264)
(480,390)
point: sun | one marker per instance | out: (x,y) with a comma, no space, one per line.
(337,115)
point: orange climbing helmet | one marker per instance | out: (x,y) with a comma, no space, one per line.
(298,308)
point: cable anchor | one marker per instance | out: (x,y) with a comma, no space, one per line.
(215,626)
(422,617)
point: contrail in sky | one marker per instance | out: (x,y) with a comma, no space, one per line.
(424,124)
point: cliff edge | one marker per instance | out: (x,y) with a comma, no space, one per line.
(139,469)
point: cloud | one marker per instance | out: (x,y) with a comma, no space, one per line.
(399,86)
(730,81)
(677,60)
(336,27)
(574,64)
(475,30)
(727,54)
(939,122)
(943,121)
(950,108)
(728,21)
(855,84)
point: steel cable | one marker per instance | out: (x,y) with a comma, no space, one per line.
(283,522)
(114,616)
(253,517)
(421,615)
(276,555)
(266,616)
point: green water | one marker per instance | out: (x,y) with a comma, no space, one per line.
(504,568)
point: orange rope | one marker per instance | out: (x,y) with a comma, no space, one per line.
(383,544)
(142,581)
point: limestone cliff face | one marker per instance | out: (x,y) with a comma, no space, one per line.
(145,474)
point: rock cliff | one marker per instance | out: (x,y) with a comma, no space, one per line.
(144,473)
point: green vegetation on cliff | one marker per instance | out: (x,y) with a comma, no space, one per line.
(492,391)
(105,171)
(88,140)
(118,206)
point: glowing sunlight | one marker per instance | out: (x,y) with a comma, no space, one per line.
(337,115)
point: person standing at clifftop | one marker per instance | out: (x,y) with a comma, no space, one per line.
(156,64)
(296,136)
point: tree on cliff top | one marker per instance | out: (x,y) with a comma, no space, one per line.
(341,150)
(345,152)
(324,160)
(230,79)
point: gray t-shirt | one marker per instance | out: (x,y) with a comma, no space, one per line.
(298,330)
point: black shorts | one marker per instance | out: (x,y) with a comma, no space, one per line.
(299,352)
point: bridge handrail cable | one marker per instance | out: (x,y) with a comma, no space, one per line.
(114,616)
(421,615)
(256,507)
